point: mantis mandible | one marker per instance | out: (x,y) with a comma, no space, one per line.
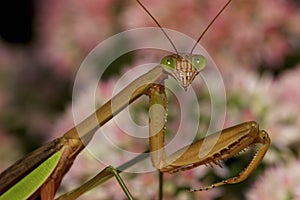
(40,172)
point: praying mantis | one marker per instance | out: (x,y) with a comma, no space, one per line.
(40,172)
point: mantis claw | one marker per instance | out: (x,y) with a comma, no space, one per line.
(230,142)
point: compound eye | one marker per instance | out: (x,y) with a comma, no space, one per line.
(198,62)
(168,63)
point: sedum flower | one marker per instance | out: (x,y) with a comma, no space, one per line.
(278,182)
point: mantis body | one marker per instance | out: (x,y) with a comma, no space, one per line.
(53,160)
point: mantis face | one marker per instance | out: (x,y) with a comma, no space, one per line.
(183,68)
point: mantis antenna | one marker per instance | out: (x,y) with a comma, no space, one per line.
(209,25)
(200,37)
(158,25)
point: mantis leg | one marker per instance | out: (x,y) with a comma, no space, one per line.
(103,176)
(249,169)
(157,120)
(161,183)
(218,146)
(222,145)
(74,140)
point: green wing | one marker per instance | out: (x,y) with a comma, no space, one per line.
(31,182)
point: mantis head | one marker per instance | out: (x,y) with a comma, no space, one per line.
(184,68)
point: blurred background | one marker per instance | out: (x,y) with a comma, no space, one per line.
(255,44)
